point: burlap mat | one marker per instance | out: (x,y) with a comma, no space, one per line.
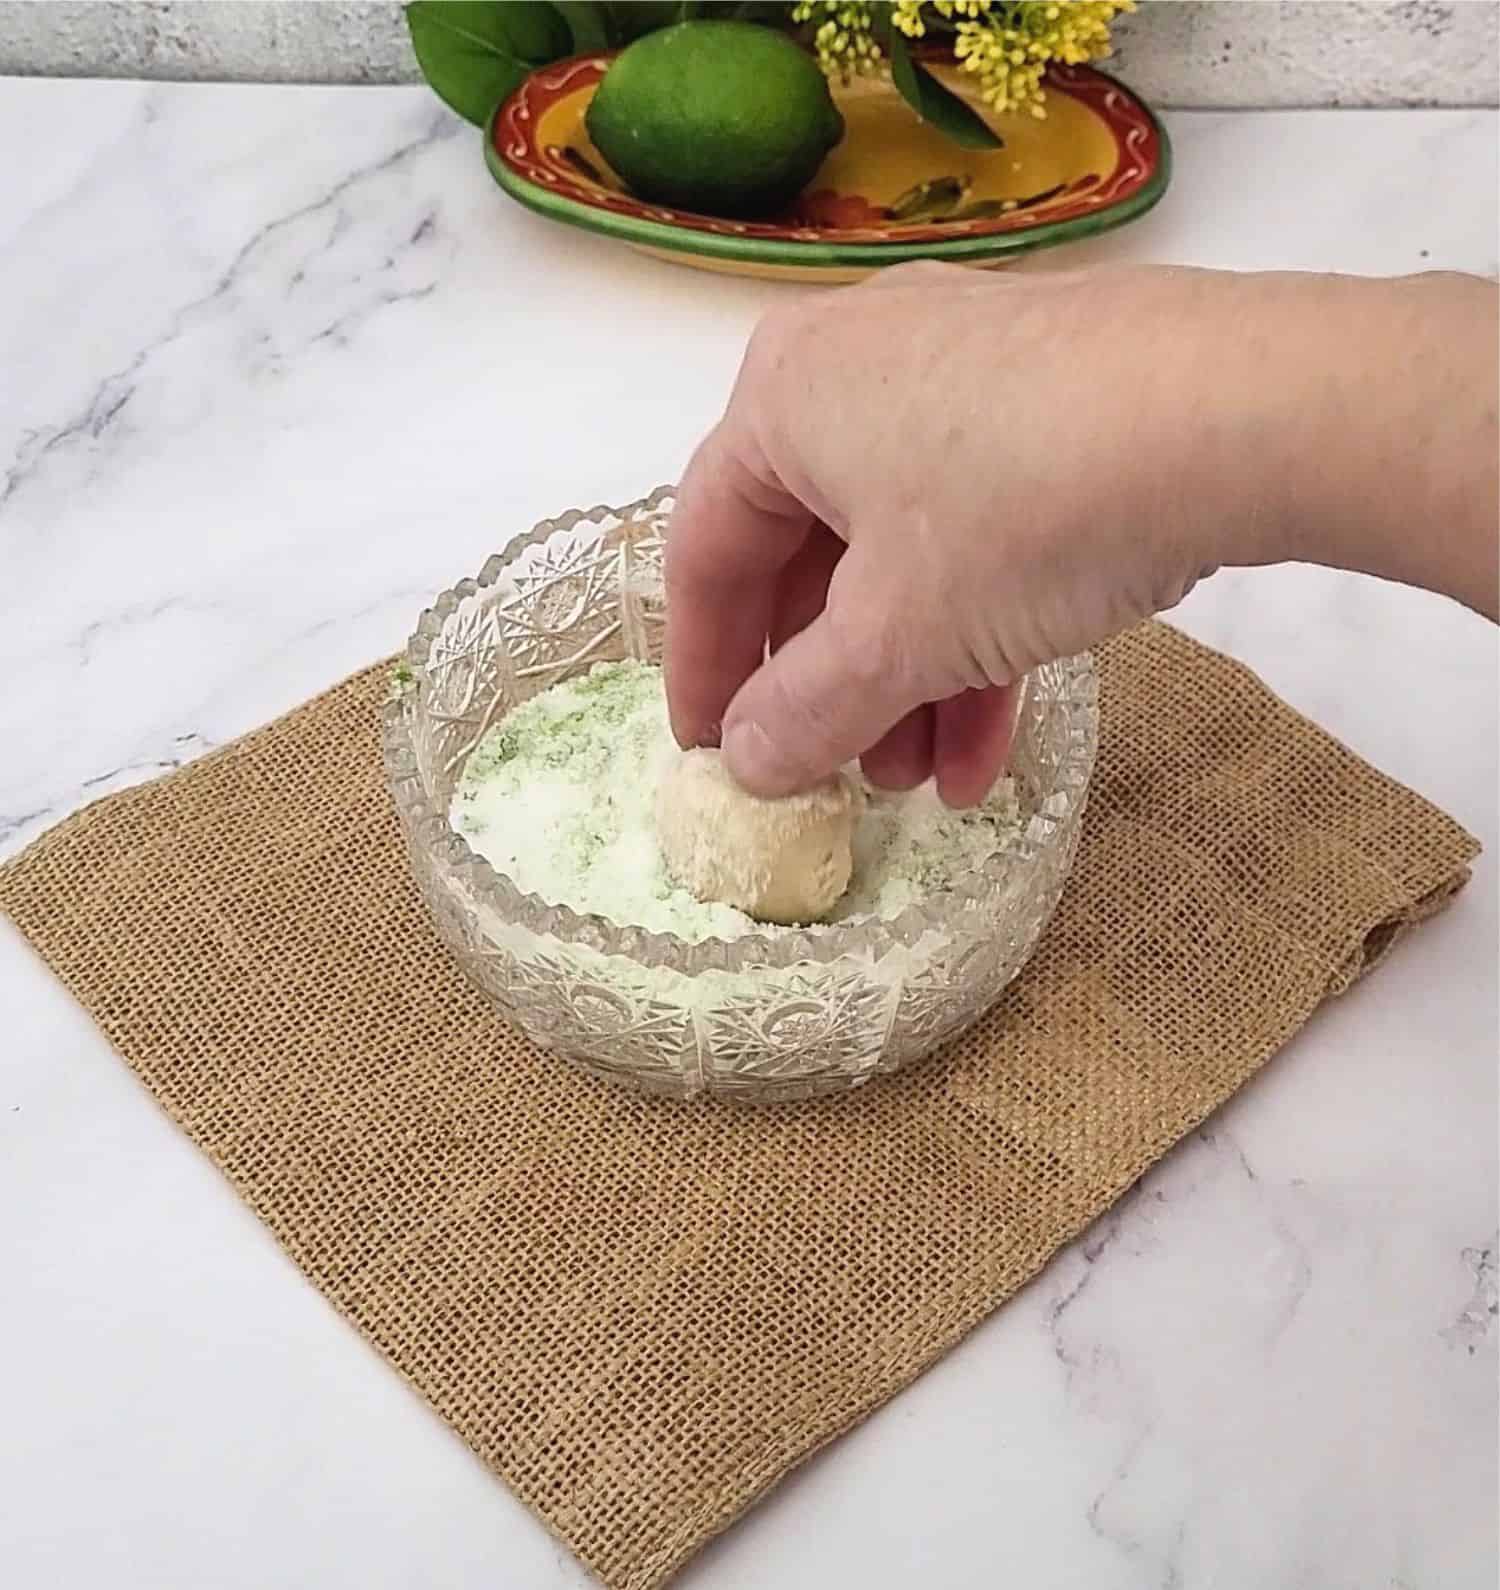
(642,1313)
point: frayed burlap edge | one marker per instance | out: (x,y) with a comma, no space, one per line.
(643,1313)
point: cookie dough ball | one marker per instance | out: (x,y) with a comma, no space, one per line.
(784,860)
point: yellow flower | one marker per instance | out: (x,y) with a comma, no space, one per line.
(906,17)
(1008,47)
(1006,44)
(842,37)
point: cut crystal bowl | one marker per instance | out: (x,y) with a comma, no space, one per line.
(777,1014)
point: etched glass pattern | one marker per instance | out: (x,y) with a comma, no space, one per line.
(774,1015)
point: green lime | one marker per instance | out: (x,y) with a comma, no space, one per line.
(725,118)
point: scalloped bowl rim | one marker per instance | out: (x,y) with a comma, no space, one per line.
(962,908)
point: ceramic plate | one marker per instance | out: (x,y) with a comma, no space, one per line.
(893,189)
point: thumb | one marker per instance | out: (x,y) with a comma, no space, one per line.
(829,694)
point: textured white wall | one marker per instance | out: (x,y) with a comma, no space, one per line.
(1182,53)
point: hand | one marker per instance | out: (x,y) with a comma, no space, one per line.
(922,488)
(929,484)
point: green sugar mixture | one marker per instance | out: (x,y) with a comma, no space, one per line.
(561,796)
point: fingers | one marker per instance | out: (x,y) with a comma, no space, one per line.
(972,740)
(923,273)
(831,692)
(802,586)
(733,531)
(903,758)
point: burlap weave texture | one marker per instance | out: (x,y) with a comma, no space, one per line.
(641,1313)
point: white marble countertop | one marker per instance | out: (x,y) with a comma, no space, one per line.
(277,365)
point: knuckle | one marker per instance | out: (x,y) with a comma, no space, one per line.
(805,721)
(771,342)
(921,270)
(874,642)
(990,660)
(913,273)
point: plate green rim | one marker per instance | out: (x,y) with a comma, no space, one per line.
(769,251)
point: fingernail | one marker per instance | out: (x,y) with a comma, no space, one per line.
(755,760)
(693,740)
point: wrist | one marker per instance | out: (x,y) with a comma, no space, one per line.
(1371,429)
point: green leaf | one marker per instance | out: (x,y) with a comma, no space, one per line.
(936,105)
(582,165)
(475,52)
(588,23)
(935,198)
(536,30)
(632,18)
(983,210)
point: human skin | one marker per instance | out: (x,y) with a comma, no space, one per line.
(929,484)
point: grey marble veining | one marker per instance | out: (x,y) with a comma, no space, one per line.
(278,365)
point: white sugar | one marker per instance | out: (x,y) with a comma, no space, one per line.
(560,797)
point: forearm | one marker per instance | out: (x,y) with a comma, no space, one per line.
(1384,417)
